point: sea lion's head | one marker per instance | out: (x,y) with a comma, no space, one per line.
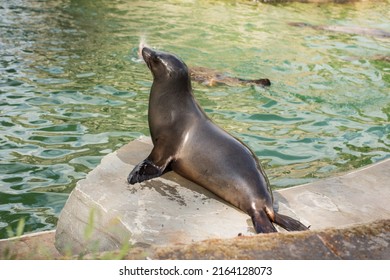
(164,65)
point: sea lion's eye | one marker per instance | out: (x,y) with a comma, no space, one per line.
(156,59)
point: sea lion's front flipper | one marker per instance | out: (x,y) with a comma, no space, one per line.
(146,170)
(289,223)
(156,164)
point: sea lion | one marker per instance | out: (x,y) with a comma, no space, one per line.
(354,30)
(186,141)
(211,77)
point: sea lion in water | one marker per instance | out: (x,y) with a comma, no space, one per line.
(211,78)
(354,30)
(186,141)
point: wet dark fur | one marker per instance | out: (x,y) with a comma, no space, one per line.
(186,141)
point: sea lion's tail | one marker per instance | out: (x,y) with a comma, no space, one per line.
(288,223)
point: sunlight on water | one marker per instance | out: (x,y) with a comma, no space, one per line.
(73,88)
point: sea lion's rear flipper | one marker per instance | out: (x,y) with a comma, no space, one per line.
(263,82)
(146,170)
(288,223)
(262,222)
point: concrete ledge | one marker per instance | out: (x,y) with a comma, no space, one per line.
(34,246)
(368,241)
(360,196)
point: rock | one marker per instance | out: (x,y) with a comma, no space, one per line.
(104,212)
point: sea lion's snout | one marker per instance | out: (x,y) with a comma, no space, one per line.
(147,53)
(164,64)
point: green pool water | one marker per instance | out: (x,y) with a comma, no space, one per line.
(73,89)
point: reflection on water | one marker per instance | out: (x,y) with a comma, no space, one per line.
(73,90)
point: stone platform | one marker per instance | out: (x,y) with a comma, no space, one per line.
(104,212)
